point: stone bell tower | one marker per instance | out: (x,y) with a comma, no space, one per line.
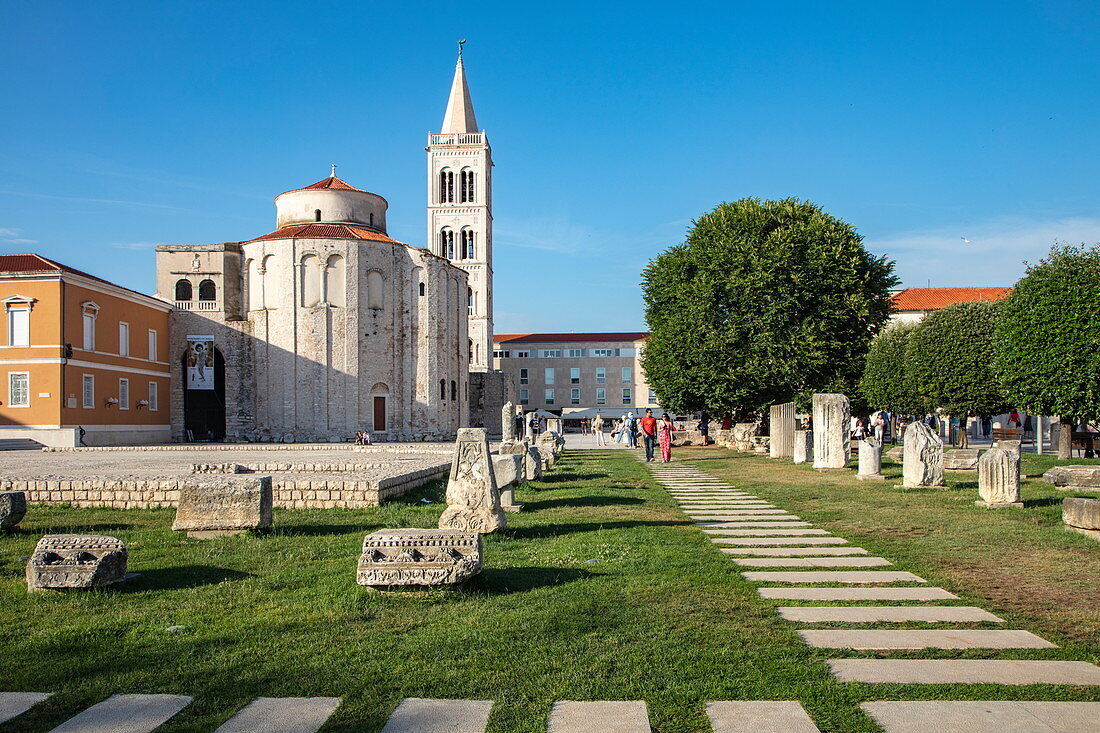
(460,209)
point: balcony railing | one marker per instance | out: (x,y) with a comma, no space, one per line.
(198,305)
(457,138)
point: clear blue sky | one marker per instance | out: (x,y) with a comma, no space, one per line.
(613,125)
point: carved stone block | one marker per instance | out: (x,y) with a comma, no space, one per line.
(508,471)
(963,459)
(832,431)
(532,463)
(508,422)
(473,499)
(782,422)
(13,507)
(223,505)
(419,557)
(1086,478)
(76,561)
(870,460)
(1081,513)
(922,464)
(803,446)
(999,479)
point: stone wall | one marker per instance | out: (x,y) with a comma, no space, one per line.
(288,492)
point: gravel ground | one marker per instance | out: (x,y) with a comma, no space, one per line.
(37,464)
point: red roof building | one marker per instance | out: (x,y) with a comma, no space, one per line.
(913,304)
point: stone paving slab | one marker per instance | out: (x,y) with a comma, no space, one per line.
(792,533)
(14,704)
(744,524)
(567,716)
(732,503)
(944,716)
(856,594)
(834,576)
(760,716)
(923,639)
(126,714)
(965,671)
(897,614)
(282,715)
(812,562)
(418,715)
(750,512)
(801,541)
(792,551)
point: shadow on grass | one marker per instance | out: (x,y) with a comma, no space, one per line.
(583,501)
(79,528)
(322,530)
(556,530)
(1049,501)
(551,478)
(502,581)
(185,576)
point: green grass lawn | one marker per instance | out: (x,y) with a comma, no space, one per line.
(601,589)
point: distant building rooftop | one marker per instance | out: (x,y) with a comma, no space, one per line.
(929,299)
(561,338)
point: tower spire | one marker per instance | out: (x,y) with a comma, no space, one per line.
(460,110)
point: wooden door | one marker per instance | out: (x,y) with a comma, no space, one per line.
(379,414)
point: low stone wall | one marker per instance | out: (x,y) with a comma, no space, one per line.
(288,492)
(232,468)
(238,447)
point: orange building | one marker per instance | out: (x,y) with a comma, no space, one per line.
(913,304)
(80,353)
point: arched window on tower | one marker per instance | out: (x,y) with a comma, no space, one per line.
(208,290)
(468,250)
(422,290)
(316,215)
(454,390)
(471,349)
(446,187)
(447,244)
(334,280)
(466,192)
(442,389)
(183,290)
(311,280)
(470,300)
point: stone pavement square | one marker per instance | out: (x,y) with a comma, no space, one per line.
(418,715)
(856,594)
(759,716)
(895,614)
(126,714)
(282,715)
(801,541)
(871,639)
(14,704)
(745,524)
(792,551)
(767,532)
(606,717)
(966,671)
(812,562)
(940,716)
(833,576)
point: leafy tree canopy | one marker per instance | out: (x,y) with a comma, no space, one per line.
(764,302)
(1047,342)
(885,384)
(949,360)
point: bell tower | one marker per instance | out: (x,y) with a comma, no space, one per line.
(460,209)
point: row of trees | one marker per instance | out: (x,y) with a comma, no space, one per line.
(768,301)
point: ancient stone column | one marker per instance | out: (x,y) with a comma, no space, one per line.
(922,460)
(999,479)
(473,500)
(803,451)
(508,422)
(508,471)
(832,430)
(781,444)
(1082,515)
(870,460)
(13,507)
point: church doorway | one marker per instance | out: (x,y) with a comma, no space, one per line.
(379,414)
(204,409)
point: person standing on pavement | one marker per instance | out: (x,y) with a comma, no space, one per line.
(649,434)
(665,437)
(597,428)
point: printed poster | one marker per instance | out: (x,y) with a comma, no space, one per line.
(200,362)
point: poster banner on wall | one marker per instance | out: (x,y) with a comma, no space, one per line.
(200,362)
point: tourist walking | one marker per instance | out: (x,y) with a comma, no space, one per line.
(704,427)
(630,427)
(597,428)
(649,434)
(534,423)
(664,437)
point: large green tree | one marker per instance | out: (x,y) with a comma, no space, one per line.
(1047,344)
(885,384)
(765,301)
(949,361)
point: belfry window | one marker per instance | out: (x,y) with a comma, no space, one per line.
(442,389)
(469,300)
(447,244)
(468,252)
(316,215)
(422,289)
(183,290)
(454,390)
(446,187)
(466,191)
(208,290)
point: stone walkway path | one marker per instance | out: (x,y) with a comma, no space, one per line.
(778,539)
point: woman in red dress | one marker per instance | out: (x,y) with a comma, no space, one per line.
(664,438)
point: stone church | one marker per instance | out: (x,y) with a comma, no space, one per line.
(327,325)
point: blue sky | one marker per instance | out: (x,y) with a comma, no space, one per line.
(613,126)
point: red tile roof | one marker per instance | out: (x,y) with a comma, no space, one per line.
(330,182)
(927,299)
(325,231)
(38,263)
(546,338)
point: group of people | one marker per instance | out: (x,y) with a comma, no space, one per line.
(628,429)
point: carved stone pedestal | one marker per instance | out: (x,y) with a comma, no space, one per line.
(419,557)
(63,561)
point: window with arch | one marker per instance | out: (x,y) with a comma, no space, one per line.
(372,218)
(376,294)
(468,250)
(442,389)
(311,280)
(470,301)
(208,290)
(466,189)
(471,346)
(183,290)
(423,290)
(446,187)
(316,215)
(335,277)
(447,244)
(454,390)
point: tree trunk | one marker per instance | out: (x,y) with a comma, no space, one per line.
(1065,438)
